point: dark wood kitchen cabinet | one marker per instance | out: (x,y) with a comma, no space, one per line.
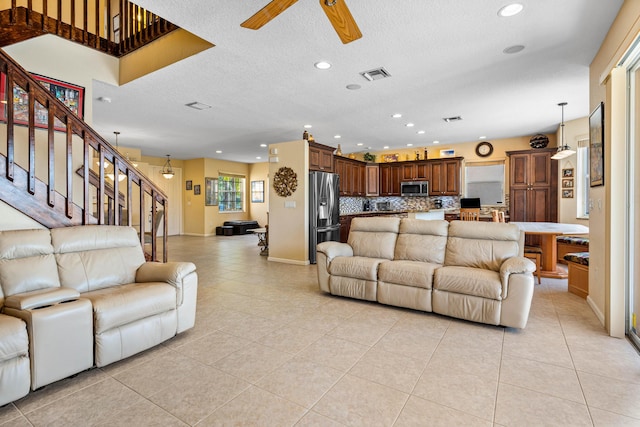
(445,177)
(352,176)
(372,178)
(416,171)
(390,174)
(533,186)
(320,157)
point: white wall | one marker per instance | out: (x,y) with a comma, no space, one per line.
(574,130)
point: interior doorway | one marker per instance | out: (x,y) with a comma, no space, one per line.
(173,189)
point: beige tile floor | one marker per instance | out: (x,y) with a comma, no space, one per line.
(269,349)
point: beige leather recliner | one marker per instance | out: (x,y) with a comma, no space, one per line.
(136,304)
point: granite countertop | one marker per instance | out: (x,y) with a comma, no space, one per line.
(373,212)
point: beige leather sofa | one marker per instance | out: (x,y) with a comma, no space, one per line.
(88,298)
(466,269)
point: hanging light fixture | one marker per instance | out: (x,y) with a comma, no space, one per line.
(167,170)
(112,175)
(564,150)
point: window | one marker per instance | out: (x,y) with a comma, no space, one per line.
(257,191)
(582,179)
(231,193)
(486,181)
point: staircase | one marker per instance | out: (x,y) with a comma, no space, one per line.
(57,170)
(119,27)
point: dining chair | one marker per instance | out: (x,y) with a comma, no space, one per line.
(469,214)
(497,216)
(534,253)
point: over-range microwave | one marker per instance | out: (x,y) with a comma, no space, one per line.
(414,188)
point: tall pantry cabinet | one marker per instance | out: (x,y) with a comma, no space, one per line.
(533,185)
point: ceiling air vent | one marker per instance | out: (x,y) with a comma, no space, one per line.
(375,74)
(452,119)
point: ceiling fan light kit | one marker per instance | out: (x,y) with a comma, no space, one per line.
(336,10)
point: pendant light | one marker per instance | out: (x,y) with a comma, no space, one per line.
(564,150)
(167,170)
(111,175)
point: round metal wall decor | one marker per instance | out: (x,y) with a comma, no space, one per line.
(539,141)
(285,182)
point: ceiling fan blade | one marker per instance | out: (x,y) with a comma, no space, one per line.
(341,19)
(267,13)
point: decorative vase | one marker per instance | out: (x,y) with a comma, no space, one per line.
(339,151)
(538,141)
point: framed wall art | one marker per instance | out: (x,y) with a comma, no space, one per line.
(71,95)
(567,173)
(189,185)
(196,189)
(596,146)
(567,194)
(567,183)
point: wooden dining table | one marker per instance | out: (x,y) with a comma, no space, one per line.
(548,231)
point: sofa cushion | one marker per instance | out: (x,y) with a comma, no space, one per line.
(418,274)
(469,281)
(483,245)
(27,262)
(573,240)
(578,257)
(14,341)
(118,305)
(95,257)
(356,267)
(374,237)
(421,240)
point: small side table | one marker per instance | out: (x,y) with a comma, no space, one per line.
(263,239)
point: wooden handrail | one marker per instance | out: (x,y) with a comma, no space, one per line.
(137,26)
(74,128)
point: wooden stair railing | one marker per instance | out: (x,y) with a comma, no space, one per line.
(78,21)
(38,166)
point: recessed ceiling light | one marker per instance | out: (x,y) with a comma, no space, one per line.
(409,145)
(218,151)
(482,137)
(510,10)
(436,142)
(386,147)
(263,145)
(409,125)
(420,132)
(397,115)
(322,65)
(513,49)
(198,105)
(337,136)
(308,126)
(258,157)
(353,86)
(359,144)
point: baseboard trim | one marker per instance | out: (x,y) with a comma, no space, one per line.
(596,310)
(288,261)
(198,235)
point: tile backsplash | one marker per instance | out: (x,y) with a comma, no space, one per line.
(351,205)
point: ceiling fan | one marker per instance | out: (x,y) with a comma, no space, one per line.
(336,10)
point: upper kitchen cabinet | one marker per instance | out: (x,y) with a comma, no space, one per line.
(352,176)
(419,170)
(320,157)
(372,177)
(533,185)
(445,177)
(390,177)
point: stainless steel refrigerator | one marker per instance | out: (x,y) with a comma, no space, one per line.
(324,210)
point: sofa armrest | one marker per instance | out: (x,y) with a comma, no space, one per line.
(334,249)
(41,298)
(514,265)
(172,273)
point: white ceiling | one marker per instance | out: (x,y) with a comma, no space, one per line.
(445,58)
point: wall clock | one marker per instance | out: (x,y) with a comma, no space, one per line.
(484,149)
(285,182)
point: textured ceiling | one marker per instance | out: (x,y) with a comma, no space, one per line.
(445,58)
